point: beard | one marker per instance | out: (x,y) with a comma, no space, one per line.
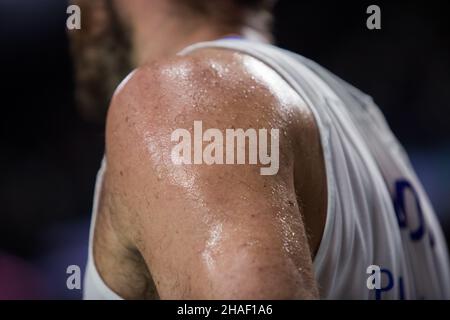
(101,54)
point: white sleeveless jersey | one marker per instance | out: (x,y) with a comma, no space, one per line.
(378,214)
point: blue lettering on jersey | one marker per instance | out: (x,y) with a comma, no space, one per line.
(401,188)
(390,285)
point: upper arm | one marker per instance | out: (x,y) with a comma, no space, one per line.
(206,231)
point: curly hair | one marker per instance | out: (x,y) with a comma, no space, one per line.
(100,52)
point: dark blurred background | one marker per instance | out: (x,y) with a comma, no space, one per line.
(49,154)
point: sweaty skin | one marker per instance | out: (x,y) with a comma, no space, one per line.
(209,232)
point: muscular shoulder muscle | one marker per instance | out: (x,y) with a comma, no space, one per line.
(208,231)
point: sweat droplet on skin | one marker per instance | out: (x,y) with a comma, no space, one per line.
(212,245)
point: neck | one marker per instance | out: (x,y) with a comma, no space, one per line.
(166,35)
(168,42)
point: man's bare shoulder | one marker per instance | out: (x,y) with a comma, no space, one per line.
(222,88)
(170,211)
